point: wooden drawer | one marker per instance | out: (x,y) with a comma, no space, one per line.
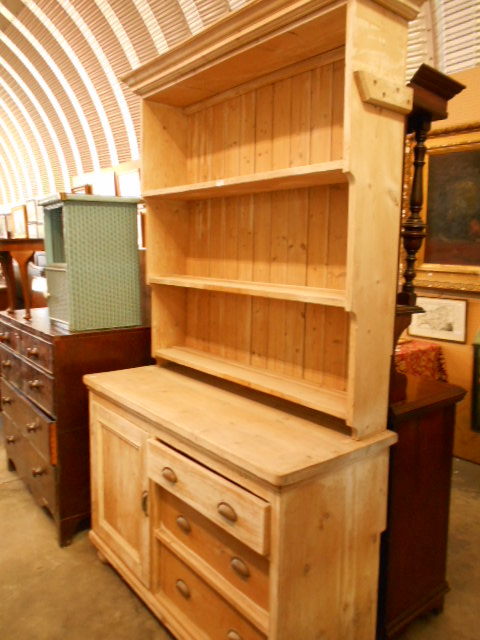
(38,386)
(9,336)
(11,366)
(40,477)
(15,446)
(30,422)
(241,513)
(244,569)
(36,350)
(201,604)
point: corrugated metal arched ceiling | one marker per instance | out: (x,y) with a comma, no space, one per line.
(63,109)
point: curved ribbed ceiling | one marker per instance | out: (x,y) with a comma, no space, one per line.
(63,110)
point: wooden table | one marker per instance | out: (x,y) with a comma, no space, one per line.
(21,250)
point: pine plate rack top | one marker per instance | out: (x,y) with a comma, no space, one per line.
(272,150)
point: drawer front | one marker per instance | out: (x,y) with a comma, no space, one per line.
(38,351)
(36,427)
(9,336)
(11,367)
(244,515)
(244,569)
(15,446)
(38,386)
(201,604)
(40,479)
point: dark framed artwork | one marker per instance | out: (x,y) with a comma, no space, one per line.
(449,259)
(453,209)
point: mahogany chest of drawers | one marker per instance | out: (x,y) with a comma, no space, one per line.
(45,405)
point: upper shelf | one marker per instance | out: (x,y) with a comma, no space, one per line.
(227,54)
(291,178)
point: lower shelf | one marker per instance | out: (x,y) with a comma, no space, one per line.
(328,401)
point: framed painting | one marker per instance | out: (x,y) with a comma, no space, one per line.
(450,256)
(453,210)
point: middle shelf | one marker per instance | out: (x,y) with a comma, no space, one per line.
(295,293)
(297,177)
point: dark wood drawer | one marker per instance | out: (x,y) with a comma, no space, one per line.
(38,386)
(14,446)
(38,351)
(40,477)
(33,425)
(11,366)
(9,336)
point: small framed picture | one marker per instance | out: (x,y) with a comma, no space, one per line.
(128,183)
(19,221)
(83,188)
(443,319)
(3,226)
(31,206)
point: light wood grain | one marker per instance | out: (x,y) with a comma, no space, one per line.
(204,491)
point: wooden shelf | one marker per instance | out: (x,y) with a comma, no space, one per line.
(328,401)
(281,179)
(295,293)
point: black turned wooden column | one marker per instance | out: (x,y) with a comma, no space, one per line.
(414,229)
(431,92)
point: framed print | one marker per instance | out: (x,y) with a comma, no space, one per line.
(3,226)
(83,188)
(128,184)
(443,319)
(19,221)
(31,206)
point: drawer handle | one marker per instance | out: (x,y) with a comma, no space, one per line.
(145,503)
(233,635)
(32,352)
(6,364)
(38,471)
(226,511)
(169,475)
(33,426)
(5,336)
(10,439)
(35,384)
(183,589)
(183,524)
(6,400)
(240,567)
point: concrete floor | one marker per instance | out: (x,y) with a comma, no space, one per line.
(50,593)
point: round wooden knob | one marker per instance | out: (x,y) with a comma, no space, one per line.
(183,589)
(32,352)
(33,426)
(5,336)
(233,635)
(38,471)
(169,475)
(10,439)
(34,384)
(183,524)
(226,511)
(240,567)
(6,364)
(6,400)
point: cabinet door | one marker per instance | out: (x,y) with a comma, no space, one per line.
(119,487)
